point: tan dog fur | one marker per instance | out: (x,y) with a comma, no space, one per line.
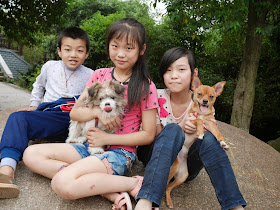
(204,98)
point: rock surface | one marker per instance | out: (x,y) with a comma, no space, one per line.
(255,163)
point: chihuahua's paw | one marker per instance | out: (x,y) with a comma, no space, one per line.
(95,150)
(224,145)
(200,136)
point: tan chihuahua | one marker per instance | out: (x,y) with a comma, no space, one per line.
(202,108)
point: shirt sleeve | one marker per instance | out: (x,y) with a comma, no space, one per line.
(151,100)
(39,87)
(92,79)
(97,75)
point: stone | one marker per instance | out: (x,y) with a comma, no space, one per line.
(255,164)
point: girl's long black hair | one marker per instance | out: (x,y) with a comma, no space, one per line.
(139,81)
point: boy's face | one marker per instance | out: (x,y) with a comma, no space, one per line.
(73,52)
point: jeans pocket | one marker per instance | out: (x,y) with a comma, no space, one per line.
(130,158)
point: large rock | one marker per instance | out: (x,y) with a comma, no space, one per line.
(255,163)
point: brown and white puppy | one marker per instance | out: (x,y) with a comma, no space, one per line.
(202,108)
(109,96)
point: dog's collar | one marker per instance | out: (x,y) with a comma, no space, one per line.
(96,122)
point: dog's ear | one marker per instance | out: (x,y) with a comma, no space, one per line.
(219,87)
(93,90)
(119,89)
(195,82)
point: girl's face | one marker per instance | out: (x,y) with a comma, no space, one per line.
(123,53)
(73,52)
(177,78)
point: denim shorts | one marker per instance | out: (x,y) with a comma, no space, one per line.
(117,161)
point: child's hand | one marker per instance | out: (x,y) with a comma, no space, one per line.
(96,137)
(189,127)
(110,123)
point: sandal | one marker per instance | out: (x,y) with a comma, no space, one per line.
(123,200)
(136,189)
(8,188)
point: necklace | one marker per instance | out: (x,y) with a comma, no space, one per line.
(66,80)
(122,81)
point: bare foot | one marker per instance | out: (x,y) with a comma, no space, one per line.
(143,204)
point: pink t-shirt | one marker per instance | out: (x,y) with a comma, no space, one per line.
(132,119)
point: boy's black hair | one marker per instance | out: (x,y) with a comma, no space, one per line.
(173,54)
(131,28)
(74,33)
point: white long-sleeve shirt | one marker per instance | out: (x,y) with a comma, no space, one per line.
(51,84)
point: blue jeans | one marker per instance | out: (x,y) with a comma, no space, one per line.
(117,161)
(30,125)
(205,153)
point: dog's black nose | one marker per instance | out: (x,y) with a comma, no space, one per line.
(205,101)
(107,104)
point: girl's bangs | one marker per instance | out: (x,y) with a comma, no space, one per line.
(132,36)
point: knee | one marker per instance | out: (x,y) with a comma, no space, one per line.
(18,115)
(211,148)
(30,156)
(172,136)
(210,141)
(63,187)
(173,130)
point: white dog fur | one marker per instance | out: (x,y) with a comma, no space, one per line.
(109,96)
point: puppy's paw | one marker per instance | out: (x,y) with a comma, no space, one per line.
(224,145)
(81,139)
(200,136)
(95,150)
(69,141)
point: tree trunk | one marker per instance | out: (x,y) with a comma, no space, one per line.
(244,94)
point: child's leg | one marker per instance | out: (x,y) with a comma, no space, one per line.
(88,177)
(20,128)
(24,126)
(47,159)
(167,145)
(218,167)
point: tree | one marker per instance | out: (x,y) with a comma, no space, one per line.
(244,94)
(21,19)
(198,17)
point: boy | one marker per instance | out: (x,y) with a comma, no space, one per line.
(61,80)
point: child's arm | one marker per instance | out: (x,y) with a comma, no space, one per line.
(145,136)
(39,88)
(83,113)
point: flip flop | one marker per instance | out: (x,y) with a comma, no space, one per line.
(8,188)
(122,200)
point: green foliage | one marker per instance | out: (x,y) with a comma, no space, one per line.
(96,28)
(82,10)
(23,18)
(26,80)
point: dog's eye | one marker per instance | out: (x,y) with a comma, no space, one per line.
(112,97)
(100,99)
(211,96)
(199,94)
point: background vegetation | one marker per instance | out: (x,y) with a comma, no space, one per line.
(215,30)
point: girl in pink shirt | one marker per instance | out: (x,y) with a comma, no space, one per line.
(89,175)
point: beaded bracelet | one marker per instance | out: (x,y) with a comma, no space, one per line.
(63,166)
